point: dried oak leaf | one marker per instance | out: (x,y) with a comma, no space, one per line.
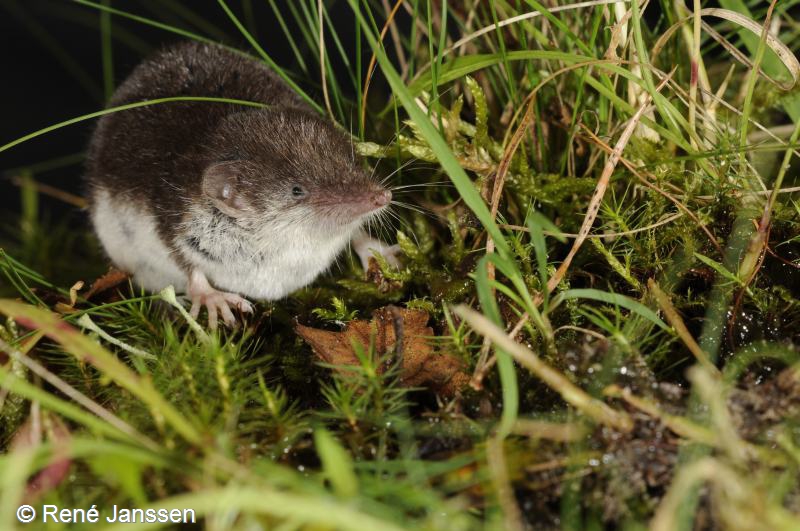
(421,364)
(113,278)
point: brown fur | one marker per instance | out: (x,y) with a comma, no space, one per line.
(155,156)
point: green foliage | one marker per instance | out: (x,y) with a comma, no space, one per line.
(592,413)
(338,312)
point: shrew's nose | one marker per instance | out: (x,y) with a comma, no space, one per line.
(382,198)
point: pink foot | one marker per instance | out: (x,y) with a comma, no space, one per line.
(365,245)
(216,302)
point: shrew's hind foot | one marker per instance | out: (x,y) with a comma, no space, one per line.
(218,303)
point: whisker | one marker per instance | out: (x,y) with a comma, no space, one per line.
(407,193)
(394,216)
(399,168)
(416,208)
(423,185)
(426,214)
(406,224)
(372,173)
(391,141)
(411,164)
(393,221)
(352,143)
(380,227)
(416,190)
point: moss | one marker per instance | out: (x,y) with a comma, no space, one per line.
(256,395)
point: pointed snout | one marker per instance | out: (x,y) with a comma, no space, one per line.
(382,198)
(351,206)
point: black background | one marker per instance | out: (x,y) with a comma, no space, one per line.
(39,39)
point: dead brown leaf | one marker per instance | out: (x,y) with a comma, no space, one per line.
(422,365)
(113,278)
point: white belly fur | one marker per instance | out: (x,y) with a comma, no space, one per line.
(128,234)
(291,257)
(295,257)
(287,272)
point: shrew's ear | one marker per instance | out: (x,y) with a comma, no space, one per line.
(222,185)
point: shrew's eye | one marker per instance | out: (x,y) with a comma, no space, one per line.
(298,191)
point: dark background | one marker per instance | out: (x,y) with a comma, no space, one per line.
(52,71)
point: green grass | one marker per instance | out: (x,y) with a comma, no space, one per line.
(567,178)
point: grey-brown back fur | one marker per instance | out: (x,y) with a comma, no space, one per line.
(155,155)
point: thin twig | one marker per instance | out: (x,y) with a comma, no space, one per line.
(52,191)
(600,189)
(525,16)
(322,75)
(695,68)
(632,168)
(668,219)
(373,60)
(681,426)
(86,322)
(677,323)
(498,469)
(485,367)
(572,394)
(398,44)
(77,396)
(399,334)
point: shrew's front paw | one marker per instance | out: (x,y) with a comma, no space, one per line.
(218,303)
(364,247)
